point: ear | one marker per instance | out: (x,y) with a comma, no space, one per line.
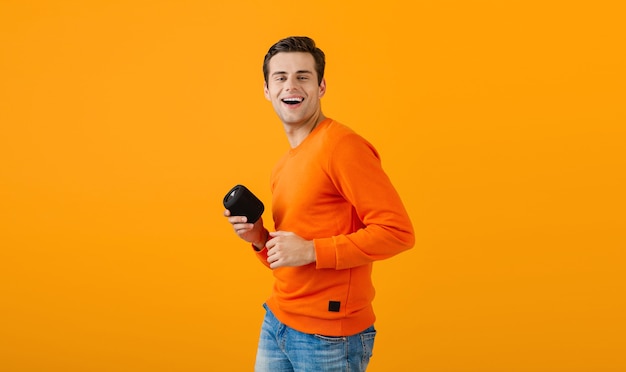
(266,92)
(322,88)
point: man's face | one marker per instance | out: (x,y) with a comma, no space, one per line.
(293,89)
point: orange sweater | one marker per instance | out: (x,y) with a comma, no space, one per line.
(332,189)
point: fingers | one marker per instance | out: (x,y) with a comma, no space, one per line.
(275,234)
(274,258)
(238,222)
(234,219)
(288,249)
(277,254)
(271,243)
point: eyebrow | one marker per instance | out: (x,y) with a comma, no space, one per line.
(297,72)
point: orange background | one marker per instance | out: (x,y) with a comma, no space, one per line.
(502,124)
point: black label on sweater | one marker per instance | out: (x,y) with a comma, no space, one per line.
(334,306)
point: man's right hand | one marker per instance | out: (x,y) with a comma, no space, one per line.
(252,233)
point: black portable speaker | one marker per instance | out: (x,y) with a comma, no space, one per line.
(242,202)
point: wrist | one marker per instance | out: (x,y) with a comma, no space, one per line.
(258,246)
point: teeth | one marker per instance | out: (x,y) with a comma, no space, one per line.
(293,100)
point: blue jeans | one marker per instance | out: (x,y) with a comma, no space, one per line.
(282,349)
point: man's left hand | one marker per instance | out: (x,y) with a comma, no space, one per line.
(288,249)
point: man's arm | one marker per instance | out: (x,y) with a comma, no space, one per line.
(256,234)
(387,230)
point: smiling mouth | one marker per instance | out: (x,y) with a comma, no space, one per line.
(293,101)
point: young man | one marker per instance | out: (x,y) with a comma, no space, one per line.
(335,212)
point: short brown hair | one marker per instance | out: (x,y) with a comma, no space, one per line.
(297,44)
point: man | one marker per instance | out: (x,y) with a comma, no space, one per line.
(335,212)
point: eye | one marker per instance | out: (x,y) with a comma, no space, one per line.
(303,78)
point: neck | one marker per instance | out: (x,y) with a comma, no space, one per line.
(297,133)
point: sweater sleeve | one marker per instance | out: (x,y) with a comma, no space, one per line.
(385,227)
(261,255)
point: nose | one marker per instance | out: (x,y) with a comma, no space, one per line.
(291,84)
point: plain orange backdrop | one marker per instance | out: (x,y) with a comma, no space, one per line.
(501,123)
